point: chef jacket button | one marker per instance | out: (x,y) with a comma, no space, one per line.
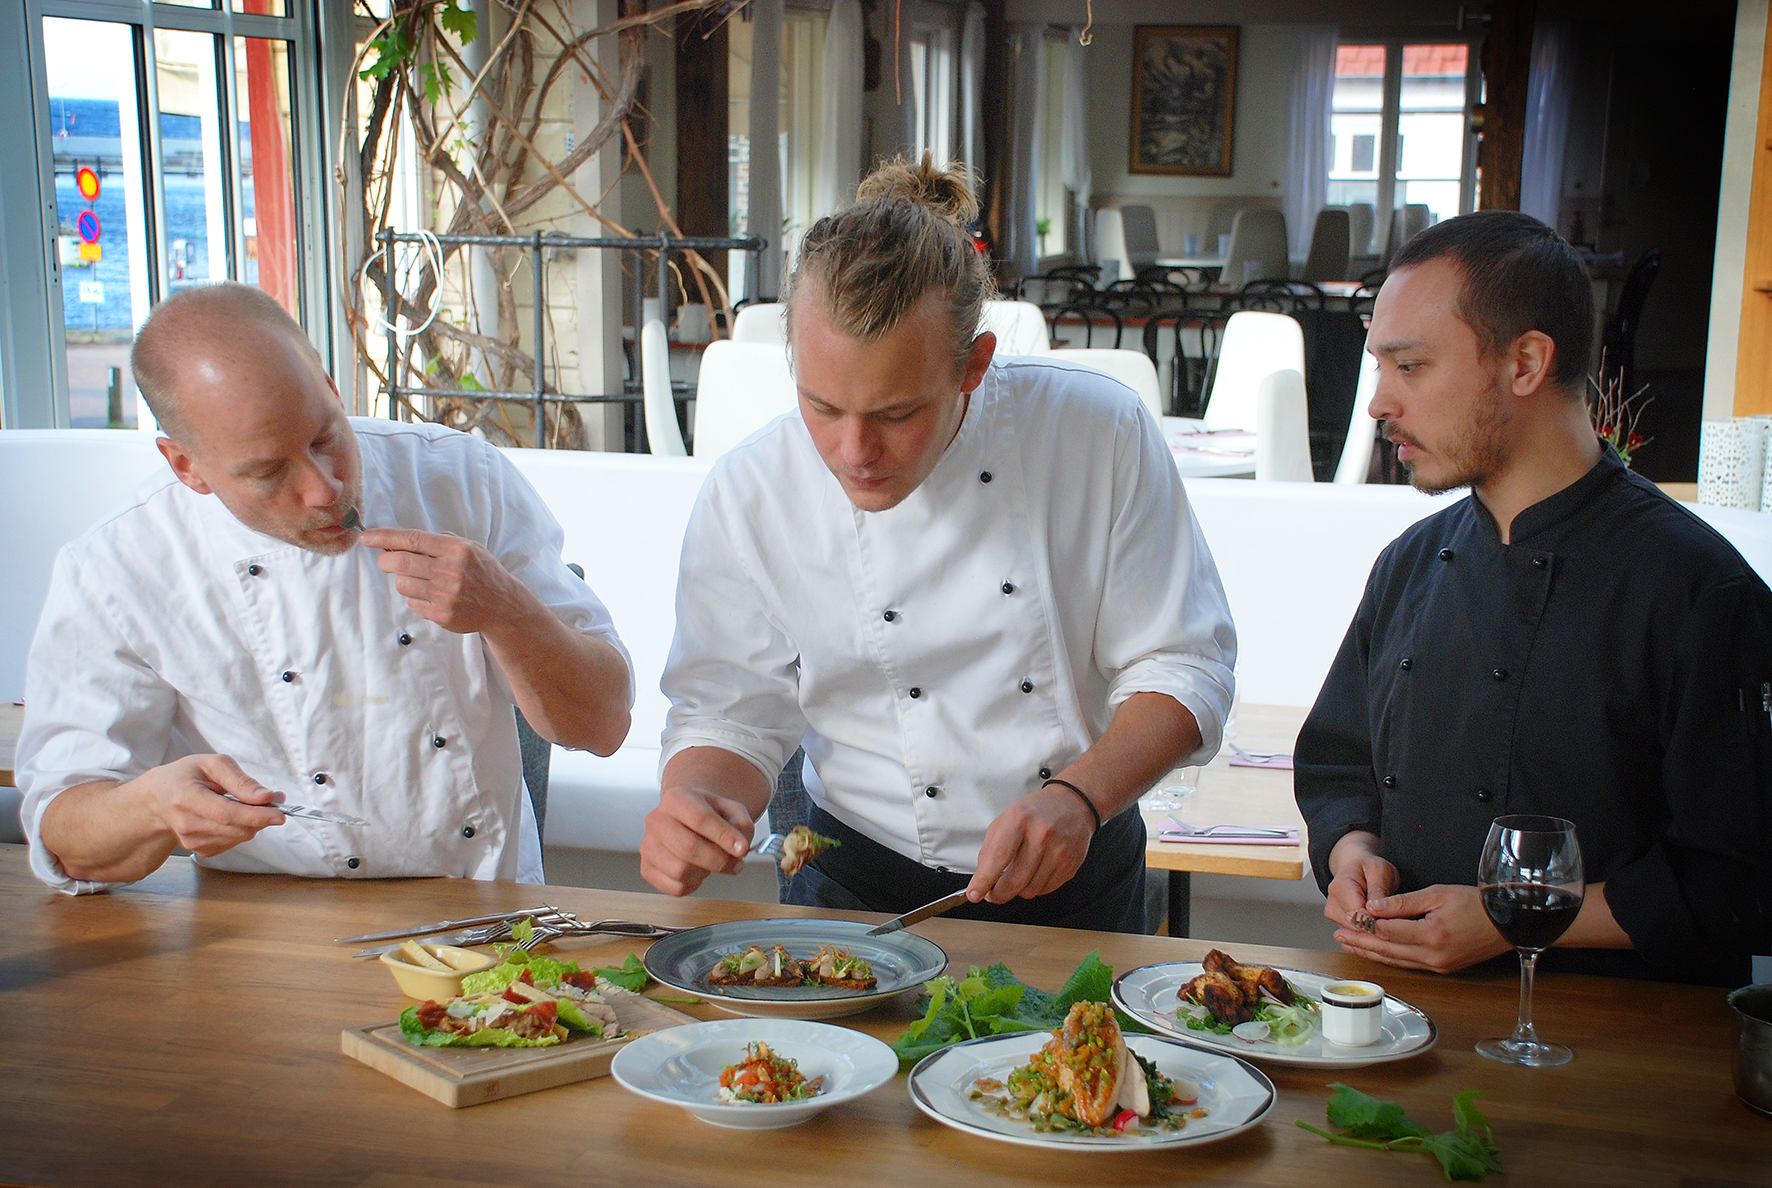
(319,777)
(1484,795)
(984,476)
(467,831)
(353,863)
(439,742)
(1539,563)
(288,675)
(916,692)
(1405,664)
(1390,781)
(405,639)
(931,791)
(891,615)
(1045,773)
(1446,554)
(1008,587)
(253,570)
(1027,686)
(1499,674)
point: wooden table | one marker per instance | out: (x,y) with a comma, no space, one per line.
(12,720)
(186,1032)
(1233,796)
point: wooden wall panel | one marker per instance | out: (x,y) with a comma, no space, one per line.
(702,200)
(1507,69)
(1753,367)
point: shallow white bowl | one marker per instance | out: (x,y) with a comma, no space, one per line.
(681,1066)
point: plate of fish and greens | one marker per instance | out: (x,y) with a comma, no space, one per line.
(1089,1086)
(793,968)
(1261,1012)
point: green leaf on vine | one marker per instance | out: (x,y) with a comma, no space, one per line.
(463,22)
(392,50)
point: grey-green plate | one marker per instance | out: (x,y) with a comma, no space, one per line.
(902,961)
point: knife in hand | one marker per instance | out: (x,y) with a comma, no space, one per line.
(946,903)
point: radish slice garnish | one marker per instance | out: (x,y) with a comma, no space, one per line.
(1253,1031)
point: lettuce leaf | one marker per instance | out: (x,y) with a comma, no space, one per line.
(543,971)
(491,1037)
(993,1001)
(629,975)
(577,1019)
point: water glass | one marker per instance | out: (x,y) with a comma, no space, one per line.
(1175,788)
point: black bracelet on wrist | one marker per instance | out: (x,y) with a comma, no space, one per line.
(1089,804)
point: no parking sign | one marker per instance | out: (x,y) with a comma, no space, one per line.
(87,226)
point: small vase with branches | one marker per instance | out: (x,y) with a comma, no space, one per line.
(1616,416)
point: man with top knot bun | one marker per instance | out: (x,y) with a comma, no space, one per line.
(969,586)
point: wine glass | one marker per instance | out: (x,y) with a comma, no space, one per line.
(1531,884)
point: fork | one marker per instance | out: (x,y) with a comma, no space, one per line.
(771,846)
(1259,756)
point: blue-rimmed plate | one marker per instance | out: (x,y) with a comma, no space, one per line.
(902,961)
(1234,1094)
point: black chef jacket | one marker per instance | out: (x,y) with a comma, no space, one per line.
(1608,666)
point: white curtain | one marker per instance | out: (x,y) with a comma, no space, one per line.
(1547,123)
(1074,163)
(1028,53)
(765,217)
(972,90)
(1309,142)
(839,117)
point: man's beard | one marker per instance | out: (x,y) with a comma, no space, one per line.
(1474,455)
(306,533)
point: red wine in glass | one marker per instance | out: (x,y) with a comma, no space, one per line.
(1529,916)
(1531,883)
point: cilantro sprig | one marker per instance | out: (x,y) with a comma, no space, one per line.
(1468,1153)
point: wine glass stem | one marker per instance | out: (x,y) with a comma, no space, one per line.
(1523,1032)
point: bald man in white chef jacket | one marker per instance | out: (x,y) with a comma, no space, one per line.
(972,589)
(231,637)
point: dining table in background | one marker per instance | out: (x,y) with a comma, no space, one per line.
(12,720)
(1228,795)
(186,1031)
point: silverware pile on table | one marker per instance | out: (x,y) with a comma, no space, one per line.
(549,923)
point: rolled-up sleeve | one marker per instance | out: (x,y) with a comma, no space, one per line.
(1702,894)
(93,711)
(1164,624)
(733,673)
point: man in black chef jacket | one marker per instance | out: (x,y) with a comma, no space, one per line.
(1566,641)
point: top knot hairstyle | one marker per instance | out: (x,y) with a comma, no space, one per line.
(905,236)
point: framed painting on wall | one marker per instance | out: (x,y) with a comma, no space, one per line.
(1184,99)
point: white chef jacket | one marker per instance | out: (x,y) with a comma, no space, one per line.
(938,660)
(173,629)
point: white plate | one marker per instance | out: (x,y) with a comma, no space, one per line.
(1234,1094)
(901,960)
(1151,995)
(681,1066)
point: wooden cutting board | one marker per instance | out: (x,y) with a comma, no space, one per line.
(468,1076)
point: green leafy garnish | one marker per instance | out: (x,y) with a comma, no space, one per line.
(543,972)
(629,975)
(1468,1153)
(993,1001)
(490,1037)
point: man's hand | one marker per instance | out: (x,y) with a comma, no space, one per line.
(1033,847)
(453,582)
(1360,876)
(1442,928)
(109,832)
(696,830)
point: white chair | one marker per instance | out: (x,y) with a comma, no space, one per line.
(1282,429)
(662,432)
(1255,344)
(1020,327)
(743,387)
(1329,246)
(1359,232)
(1139,229)
(1258,237)
(763,322)
(1110,245)
(1132,368)
(1362,430)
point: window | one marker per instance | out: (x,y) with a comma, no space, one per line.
(1052,201)
(933,83)
(169,153)
(802,77)
(1411,98)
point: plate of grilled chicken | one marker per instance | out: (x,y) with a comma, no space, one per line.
(1261,1013)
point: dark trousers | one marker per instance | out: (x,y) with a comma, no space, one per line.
(1106,893)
